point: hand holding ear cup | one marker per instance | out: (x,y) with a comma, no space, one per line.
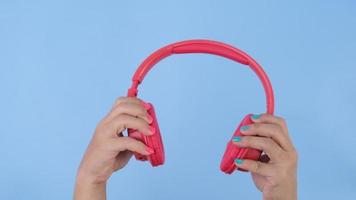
(153,141)
(232,151)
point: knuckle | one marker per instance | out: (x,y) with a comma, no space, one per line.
(274,131)
(140,122)
(279,130)
(271,146)
(281,121)
(133,100)
(142,111)
(256,126)
(267,142)
(120,100)
(122,118)
(264,115)
(140,145)
(246,140)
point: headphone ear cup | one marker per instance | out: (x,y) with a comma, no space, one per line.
(153,141)
(232,151)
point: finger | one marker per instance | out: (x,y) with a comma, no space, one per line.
(270,147)
(253,166)
(270,119)
(123,121)
(127,143)
(133,100)
(268,130)
(136,110)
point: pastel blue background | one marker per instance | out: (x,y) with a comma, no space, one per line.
(63,63)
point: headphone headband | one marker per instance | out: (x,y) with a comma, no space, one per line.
(203,46)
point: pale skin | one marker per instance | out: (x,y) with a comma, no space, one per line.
(109,151)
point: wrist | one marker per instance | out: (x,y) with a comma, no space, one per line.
(87,188)
(86,177)
(286,192)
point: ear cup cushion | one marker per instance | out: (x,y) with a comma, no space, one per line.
(232,151)
(154,141)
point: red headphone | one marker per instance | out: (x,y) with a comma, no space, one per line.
(199,46)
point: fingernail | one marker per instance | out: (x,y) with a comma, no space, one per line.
(244,128)
(152,129)
(149,150)
(150,118)
(145,105)
(239,161)
(255,117)
(236,139)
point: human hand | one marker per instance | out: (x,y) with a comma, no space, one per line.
(275,173)
(109,150)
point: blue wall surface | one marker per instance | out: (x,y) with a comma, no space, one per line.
(63,63)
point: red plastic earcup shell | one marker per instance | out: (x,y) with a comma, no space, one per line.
(154,141)
(233,151)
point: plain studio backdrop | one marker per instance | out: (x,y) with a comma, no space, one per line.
(63,64)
